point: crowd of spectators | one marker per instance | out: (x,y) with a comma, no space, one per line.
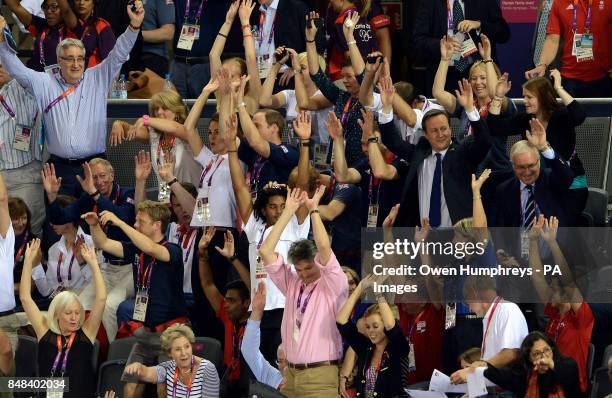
(256,235)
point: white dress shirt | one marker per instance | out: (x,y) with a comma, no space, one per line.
(7,262)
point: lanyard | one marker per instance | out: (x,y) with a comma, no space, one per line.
(262,20)
(22,247)
(414,323)
(588,18)
(41,50)
(165,143)
(237,340)
(302,308)
(449,14)
(206,170)
(198,13)
(483,111)
(373,182)
(186,240)
(257,167)
(263,233)
(62,96)
(346,110)
(484,338)
(7,107)
(59,353)
(191,377)
(59,266)
(141,276)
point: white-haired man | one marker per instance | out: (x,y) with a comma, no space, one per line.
(73,102)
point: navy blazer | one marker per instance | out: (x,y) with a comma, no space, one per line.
(431,24)
(460,162)
(550,187)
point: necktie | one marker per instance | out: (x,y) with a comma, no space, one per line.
(530,209)
(462,63)
(435,200)
(540,34)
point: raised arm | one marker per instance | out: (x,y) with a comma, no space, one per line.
(566,98)
(36,318)
(311,46)
(229,253)
(295,198)
(70,20)
(341,169)
(535,261)
(191,123)
(206,278)
(142,170)
(92,324)
(354,53)
(241,190)
(267,99)
(344,315)
(27,77)
(318,229)
(478,213)
(5,218)
(22,14)
(219,43)
(366,88)
(302,127)
(380,168)
(255,140)
(101,241)
(444,98)
(248,41)
(484,48)
(166,172)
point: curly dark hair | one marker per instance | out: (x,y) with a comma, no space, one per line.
(263,196)
(524,365)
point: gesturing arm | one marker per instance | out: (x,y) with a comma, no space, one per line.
(302,127)
(70,20)
(444,98)
(267,99)
(141,173)
(380,168)
(241,190)
(92,324)
(185,199)
(251,133)
(354,53)
(344,315)
(341,169)
(478,213)
(5,218)
(535,261)
(22,14)
(36,318)
(318,229)
(101,241)
(248,41)
(219,43)
(206,278)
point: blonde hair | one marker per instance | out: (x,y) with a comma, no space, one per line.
(104,162)
(521,147)
(174,332)
(466,228)
(303,59)
(169,100)
(57,305)
(70,42)
(157,211)
(354,275)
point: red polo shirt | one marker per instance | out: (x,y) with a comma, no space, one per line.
(572,333)
(560,23)
(233,341)
(426,332)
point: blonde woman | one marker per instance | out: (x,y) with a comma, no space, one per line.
(166,118)
(185,375)
(65,337)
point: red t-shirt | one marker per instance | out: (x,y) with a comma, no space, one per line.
(233,341)
(560,23)
(572,333)
(425,331)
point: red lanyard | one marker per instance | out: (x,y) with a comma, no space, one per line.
(206,170)
(22,247)
(484,338)
(7,107)
(59,353)
(143,279)
(588,17)
(62,96)
(449,16)
(346,110)
(262,21)
(191,377)
(483,111)
(164,143)
(60,259)
(186,240)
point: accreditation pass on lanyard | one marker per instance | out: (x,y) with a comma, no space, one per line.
(300,310)
(143,281)
(582,47)
(190,32)
(54,393)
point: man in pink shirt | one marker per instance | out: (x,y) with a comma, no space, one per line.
(314,294)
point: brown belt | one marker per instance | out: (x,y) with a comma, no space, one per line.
(302,366)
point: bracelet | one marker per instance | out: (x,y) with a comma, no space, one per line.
(542,64)
(146,120)
(314,211)
(173,181)
(373,139)
(222,35)
(92,195)
(247,35)
(246,26)
(310,41)
(134,28)
(486,61)
(232,258)
(344,377)
(351,42)
(242,104)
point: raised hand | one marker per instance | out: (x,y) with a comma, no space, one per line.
(285,77)
(313,203)
(206,238)
(551,226)
(241,89)
(295,198)
(245,10)
(88,253)
(556,76)
(295,60)
(484,47)
(366,124)
(77,249)
(334,126)
(166,169)
(302,126)
(51,183)
(390,219)
(87,183)
(387,91)
(536,228)
(232,11)
(258,300)
(537,135)
(420,233)
(136,17)
(32,252)
(464,95)
(91,218)
(504,85)
(224,81)
(142,168)
(311,27)
(109,394)
(348,28)
(446,49)
(278,52)
(228,245)
(212,84)
(107,217)
(477,182)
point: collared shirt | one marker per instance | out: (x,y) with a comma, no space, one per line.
(188,244)
(507,329)
(257,231)
(157,14)
(79,276)
(263,48)
(549,154)
(76,126)
(24,107)
(426,175)
(319,339)
(186,168)
(7,259)
(262,370)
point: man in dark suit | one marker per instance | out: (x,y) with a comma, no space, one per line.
(546,186)
(438,183)
(434,20)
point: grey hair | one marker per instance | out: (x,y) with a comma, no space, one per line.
(521,147)
(174,332)
(58,304)
(302,249)
(103,162)
(69,42)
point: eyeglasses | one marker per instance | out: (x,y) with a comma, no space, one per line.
(540,354)
(72,60)
(50,8)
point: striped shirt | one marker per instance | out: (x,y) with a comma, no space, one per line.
(205,382)
(24,107)
(76,126)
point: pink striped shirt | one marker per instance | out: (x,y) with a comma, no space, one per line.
(319,339)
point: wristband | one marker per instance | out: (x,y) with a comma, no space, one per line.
(314,211)
(92,195)
(246,26)
(173,181)
(351,42)
(310,41)
(134,28)
(373,139)
(222,35)
(247,35)
(232,258)
(242,104)
(486,61)
(146,120)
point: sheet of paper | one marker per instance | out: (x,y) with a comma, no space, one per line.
(441,383)
(476,384)
(425,394)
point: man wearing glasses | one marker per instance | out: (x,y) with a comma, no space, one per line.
(73,102)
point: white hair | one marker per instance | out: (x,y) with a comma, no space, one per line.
(69,42)
(57,305)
